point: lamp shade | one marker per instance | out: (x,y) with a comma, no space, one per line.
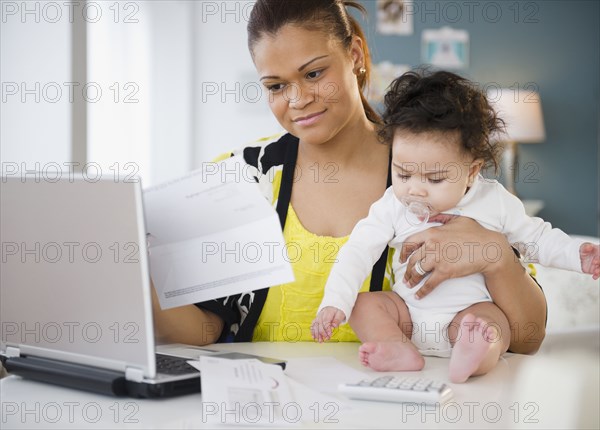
(521,111)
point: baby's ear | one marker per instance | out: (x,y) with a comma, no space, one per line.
(474,169)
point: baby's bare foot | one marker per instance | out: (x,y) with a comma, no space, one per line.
(390,356)
(476,350)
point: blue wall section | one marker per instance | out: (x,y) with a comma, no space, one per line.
(555,45)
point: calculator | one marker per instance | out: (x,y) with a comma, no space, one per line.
(398,389)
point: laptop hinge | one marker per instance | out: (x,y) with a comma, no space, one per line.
(134,374)
(11,351)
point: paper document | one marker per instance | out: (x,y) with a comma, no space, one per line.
(211,234)
(244,392)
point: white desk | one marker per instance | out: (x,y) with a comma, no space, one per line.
(557,388)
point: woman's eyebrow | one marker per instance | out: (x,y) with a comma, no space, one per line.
(302,67)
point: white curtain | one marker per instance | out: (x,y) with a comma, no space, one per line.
(142,61)
(180,87)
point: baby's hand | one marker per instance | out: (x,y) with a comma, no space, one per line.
(590,259)
(327,319)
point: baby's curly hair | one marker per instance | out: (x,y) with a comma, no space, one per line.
(423,101)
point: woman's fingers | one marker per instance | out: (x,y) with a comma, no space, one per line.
(420,263)
(442,218)
(417,240)
(429,285)
(416,269)
(411,244)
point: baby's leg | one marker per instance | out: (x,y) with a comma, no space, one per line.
(480,335)
(382,322)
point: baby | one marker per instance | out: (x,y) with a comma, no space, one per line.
(439,125)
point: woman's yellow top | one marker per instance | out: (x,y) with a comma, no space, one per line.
(290,308)
(283,312)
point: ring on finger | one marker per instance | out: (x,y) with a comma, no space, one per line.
(419,268)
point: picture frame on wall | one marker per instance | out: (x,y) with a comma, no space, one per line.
(445,48)
(395,17)
(382,75)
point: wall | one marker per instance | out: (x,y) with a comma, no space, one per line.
(195,54)
(554,44)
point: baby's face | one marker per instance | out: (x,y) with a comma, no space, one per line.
(431,167)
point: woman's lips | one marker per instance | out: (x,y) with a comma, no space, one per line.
(309,119)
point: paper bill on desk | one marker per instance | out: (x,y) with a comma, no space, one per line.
(211,234)
(245,392)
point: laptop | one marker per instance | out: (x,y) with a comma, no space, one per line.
(75,303)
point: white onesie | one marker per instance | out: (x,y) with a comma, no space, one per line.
(490,204)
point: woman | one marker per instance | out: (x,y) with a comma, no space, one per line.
(322,176)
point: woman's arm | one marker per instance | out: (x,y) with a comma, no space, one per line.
(186,324)
(521,300)
(462,247)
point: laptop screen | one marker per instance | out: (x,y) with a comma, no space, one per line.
(74,278)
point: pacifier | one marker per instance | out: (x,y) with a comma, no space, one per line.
(417,211)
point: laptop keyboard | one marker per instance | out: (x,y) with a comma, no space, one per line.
(173,365)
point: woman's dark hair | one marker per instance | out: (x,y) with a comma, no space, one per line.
(328,16)
(423,101)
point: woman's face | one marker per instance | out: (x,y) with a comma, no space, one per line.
(310,81)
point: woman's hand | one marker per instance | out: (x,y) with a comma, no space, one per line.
(462,247)
(185,324)
(458,248)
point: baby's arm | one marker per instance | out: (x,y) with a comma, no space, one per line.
(590,259)
(327,319)
(537,241)
(354,262)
